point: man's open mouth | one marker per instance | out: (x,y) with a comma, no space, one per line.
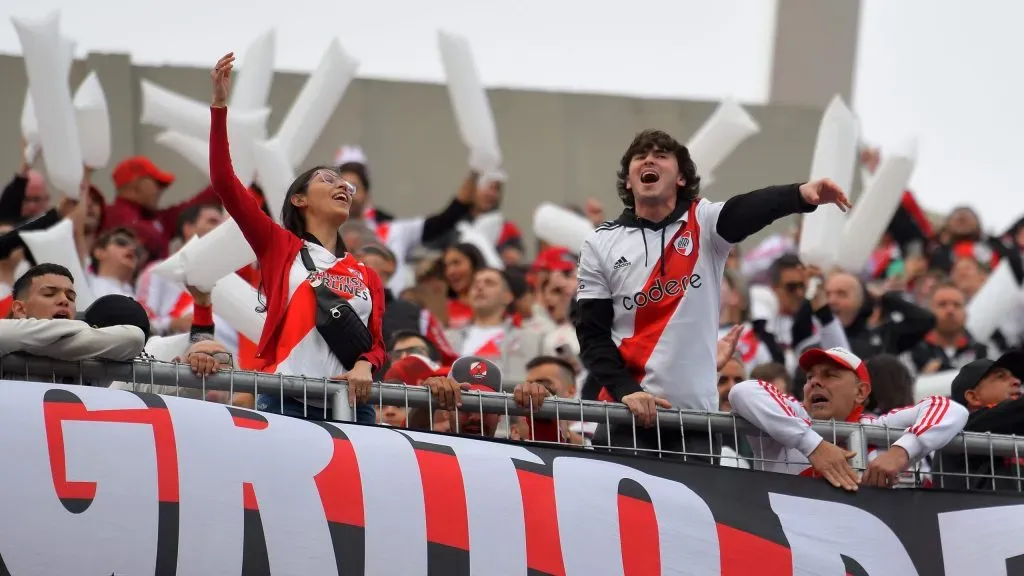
(649,176)
(818,399)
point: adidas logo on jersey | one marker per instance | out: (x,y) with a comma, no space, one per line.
(620,263)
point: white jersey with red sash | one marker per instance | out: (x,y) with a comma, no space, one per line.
(665,288)
(301,349)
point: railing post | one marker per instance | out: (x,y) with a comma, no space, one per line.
(857,442)
(341,411)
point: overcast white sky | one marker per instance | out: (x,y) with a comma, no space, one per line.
(945,72)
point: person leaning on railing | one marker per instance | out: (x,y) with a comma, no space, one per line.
(42,321)
(990,389)
(323,308)
(838,385)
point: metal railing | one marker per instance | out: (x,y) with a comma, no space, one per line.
(974,461)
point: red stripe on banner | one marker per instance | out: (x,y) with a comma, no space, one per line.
(249,497)
(444,499)
(650,320)
(341,488)
(744,553)
(638,531)
(250,423)
(56,413)
(543,545)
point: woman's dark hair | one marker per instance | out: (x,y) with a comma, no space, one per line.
(360,170)
(892,385)
(473,254)
(294,221)
(656,139)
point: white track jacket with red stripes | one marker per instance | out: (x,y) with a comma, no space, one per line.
(924,427)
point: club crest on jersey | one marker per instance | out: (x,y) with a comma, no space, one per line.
(684,244)
(478,370)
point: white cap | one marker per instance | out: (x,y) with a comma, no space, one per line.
(348,154)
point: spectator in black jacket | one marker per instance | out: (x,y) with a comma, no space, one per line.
(990,389)
(886,325)
(949,346)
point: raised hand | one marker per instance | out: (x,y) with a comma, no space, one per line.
(825,191)
(727,346)
(221,75)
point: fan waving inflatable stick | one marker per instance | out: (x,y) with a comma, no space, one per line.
(835,157)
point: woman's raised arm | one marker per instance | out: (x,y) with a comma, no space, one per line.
(259,230)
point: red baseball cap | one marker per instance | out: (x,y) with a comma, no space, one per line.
(412,370)
(555,259)
(479,373)
(840,356)
(136,167)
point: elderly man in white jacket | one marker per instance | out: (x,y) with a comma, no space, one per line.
(42,322)
(837,386)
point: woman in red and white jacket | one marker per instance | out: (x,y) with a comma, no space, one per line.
(323,307)
(837,386)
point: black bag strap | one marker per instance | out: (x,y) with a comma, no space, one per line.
(307,260)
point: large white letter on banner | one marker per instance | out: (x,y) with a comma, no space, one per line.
(687,534)
(492,491)
(216,457)
(396,520)
(117,532)
(819,532)
(980,541)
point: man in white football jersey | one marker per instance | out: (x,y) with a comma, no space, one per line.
(650,284)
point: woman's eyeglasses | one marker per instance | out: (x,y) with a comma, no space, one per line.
(334,179)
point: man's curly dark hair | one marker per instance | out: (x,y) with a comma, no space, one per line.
(656,139)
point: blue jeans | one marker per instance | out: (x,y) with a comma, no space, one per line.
(365,414)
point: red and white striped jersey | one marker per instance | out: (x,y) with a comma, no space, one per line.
(923,428)
(301,349)
(665,286)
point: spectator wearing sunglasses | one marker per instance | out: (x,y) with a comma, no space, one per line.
(804,319)
(409,343)
(115,258)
